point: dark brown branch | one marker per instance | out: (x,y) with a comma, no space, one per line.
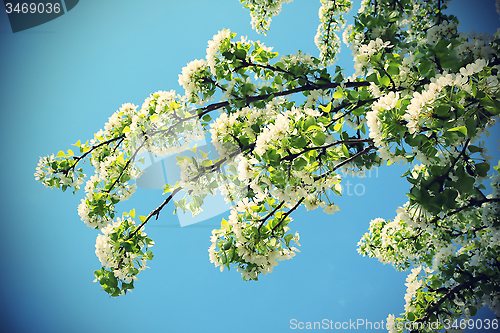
(155,212)
(443,177)
(263,220)
(343,105)
(200,112)
(250,99)
(472,203)
(291,157)
(344,162)
(125,167)
(286,214)
(245,64)
(390,78)
(79,158)
(451,292)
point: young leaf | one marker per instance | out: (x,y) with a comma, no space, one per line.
(461,129)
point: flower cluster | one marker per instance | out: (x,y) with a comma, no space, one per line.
(331,17)
(262,12)
(213,48)
(242,241)
(59,174)
(192,78)
(475,46)
(385,104)
(363,55)
(450,242)
(120,249)
(446,30)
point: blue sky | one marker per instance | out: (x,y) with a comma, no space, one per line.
(61,81)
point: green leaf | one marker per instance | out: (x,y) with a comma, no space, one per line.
(411,180)
(228,55)
(385,81)
(466,183)
(167,188)
(474,149)
(471,125)
(97,274)
(256,208)
(442,110)
(437,170)
(461,129)
(125,177)
(112,281)
(338,93)
(206,163)
(358,111)
(232,253)
(448,62)
(299,163)
(241,54)
(310,121)
(491,105)
(473,311)
(345,150)
(372,78)
(482,169)
(314,128)
(298,141)
(224,225)
(424,67)
(393,69)
(227,245)
(326,108)
(128,286)
(319,139)
(272,156)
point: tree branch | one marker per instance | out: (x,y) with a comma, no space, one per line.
(79,158)
(263,220)
(291,157)
(451,292)
(286,214)
(344,162)
(156,211)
